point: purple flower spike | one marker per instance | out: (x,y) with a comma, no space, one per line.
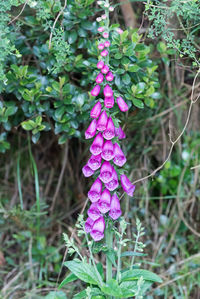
(105,35)
(127,186)
(120,133)
(108,92)
(100,64)
(88,225)
(96,110)
(104,202)
(97,145)
(96,90)
(94,162)
(95,191)
(87,171)
(109,76)
(99,78)
(104,53)
(115,210)
(93,212)
(109,102)
(91,130)
(102,121)
(119,158)
(112,185)
(98,228)
(109,132)
(107,44)
(108,151)
(101,46)
(105,69)
(100,29)
(122,104)
(106,172)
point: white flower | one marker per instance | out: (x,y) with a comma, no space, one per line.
(111,8)
(106,5)
(98,19)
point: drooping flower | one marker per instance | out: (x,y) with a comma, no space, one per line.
(91,130)
(88,225)
(102,121)
(99,78)
(109,102)
(96,110)
(87,171)
(103,17)
(107,43)
(98,19)
(106,172)
(111,8)
(105,35)
(96,90)
(98,228)
(104,202)
(97,145)
(109,132)
(122,104)
(119,30)
(108,92)
(127,186)
(101,46)
(105,69)
(95,162)
(104,53)
(109,76)
(100,64)
(120,133)
(94,212)
(115,210)
(114,183)
(100,29)
(108,151)
(119,158)
(95,191)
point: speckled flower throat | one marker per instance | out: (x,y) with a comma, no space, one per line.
(107,157)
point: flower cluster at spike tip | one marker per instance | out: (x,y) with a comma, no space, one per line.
(105,155)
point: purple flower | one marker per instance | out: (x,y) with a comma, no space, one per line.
(106,172)
(98,228)
(96,110)
(104,53)
(99,78)
(96,90)
(122,104)
(109,132)
(109,102)
(91,130)
(87,171)
(109,76)
(105,69)
(94,162)
(112,185)
(97,145)
(107,44)
(88,225)
(102,121)
(105,35)
(120,133)
(95,191)
(108,92)
(100,64)
(108,151)
(101,46)
(93,211)
(100,29)
(119,158)
(104,202)
(127,186)
(115,210)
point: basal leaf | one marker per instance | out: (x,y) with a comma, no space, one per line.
(137,273)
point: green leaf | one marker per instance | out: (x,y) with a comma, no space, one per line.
(83,271)
(80,295)
(138,103)
(28,125)
(111,288)
(112,256)
(137,273)
(129,288)
(10,111)
(72,37)
(59,112)
(71,277)
(126,79)
(132,253)
(56,295)
(133,68)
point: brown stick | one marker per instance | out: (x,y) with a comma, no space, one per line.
(128,14)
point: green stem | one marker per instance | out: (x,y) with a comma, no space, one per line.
(135,250)
(109,243)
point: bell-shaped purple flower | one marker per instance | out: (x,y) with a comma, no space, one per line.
(104,53)
(100,64)
(96,90)
(104,202)
(88,225)
(91,130)
(97,145)
(94,212)
(102,121)
(105,69)
(122,104)
(119,158)
(109,102)
(96,110)
(109,132)
(109,77)
(106,172)
(95,162)
(98,228)
(87,171)
(127,186)
(99,78)
(120,133)
(95,191)
(108,92)
(108,151)
(101,46)
(107,44)
(112,185)
(115,210)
